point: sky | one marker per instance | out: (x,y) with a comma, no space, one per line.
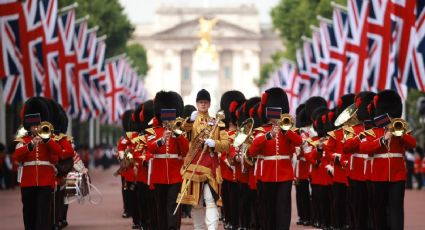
(143,11)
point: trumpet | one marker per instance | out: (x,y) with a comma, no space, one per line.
(286,121)
(398,127)
(45,130)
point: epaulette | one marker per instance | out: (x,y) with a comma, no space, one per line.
(332,134)
(311,142)
(349,129)
(260,129)
(19,139)
(221,124)
(294,129)
(129,135)
(370,132)
(150,131)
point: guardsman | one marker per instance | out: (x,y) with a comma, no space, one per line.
(145,198)
(229,103)
(128,167)
(302,172)
(334,149)
(357,164)
(387,147)
(38,154)
(201,170)
(275,148)
(246,195)
(168,146)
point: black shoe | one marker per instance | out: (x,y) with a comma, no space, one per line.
(316,225)
(135,226)
(300,222)
(125,215)
(306,223)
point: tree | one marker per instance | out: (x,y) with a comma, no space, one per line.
(292,18)
(110,18)
(137,53)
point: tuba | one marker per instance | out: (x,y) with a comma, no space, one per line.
(398,127)
(286,122)
(45,130)
(346,115)
(243,140)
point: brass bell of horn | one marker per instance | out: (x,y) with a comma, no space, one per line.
(346,115)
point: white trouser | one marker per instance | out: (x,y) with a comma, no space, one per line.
(210,214)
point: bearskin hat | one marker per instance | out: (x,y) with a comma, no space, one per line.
(344,102)
(319,116)
(142,116)
(229,102)
(243,111)
(188,110)
(126,120)
(312,104)
(59,118)
(253,113)
(388,101)
(35,105)
(363,100)
(273,97)
(300,117)
(330,120)
(167,100)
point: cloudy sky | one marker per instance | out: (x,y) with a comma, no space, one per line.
(142,11)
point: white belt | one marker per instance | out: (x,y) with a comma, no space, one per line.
(302,159)
(166,156)
(270,158)
(358,155)
(275,157)
(37,162)
(388,155)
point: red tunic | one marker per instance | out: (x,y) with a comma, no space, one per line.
(275,164)
(388,164)
(358,160)
(125,143)
(334,146)
(37,175)
(167,160)
(227,172)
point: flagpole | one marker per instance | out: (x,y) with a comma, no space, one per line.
(91,134)
(2,117)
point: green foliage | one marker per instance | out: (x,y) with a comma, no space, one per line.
(292,18)
(137,53)
(411,106)
(110,18)
(265,71)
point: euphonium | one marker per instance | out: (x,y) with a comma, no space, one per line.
(398,127)
(45,130)
(286,121)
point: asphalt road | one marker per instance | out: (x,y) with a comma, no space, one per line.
(107,214)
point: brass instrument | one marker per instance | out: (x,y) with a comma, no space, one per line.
(346,115)
(125,163)
(243,140)
(174,126)
(286,121)
(398,127)
(45,130)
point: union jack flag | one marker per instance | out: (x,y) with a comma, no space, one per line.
(10,53)
(303,78)
(114,92)
(290,84)
(420,43)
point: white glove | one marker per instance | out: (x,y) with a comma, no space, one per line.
(193,115)
(330,169)
(297,151)
(210,143)
(121,155)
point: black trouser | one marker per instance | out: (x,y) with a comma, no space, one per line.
(244,205)
(370,205)
(255,209)
(389,205)
(277,204)
(124,194)
(359,202)
(230,198)
(58,205)
(418,177)
(325,199)
(36,207)
(339,193)
(132,201)
(142,201)
(303,199)
(315,203)
(166,197)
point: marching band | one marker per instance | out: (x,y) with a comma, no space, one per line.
(346,163)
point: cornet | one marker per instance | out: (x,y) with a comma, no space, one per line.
(45,130)
(398,127)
